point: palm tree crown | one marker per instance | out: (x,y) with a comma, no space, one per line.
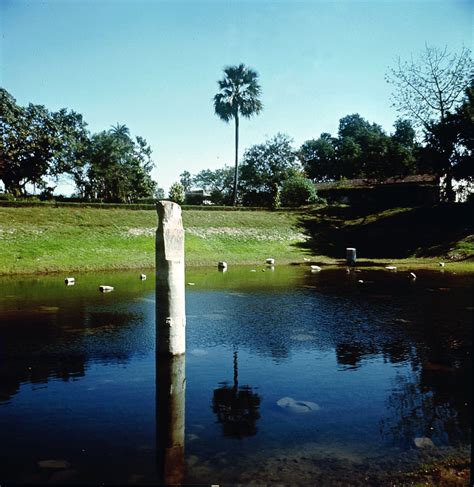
(239,93)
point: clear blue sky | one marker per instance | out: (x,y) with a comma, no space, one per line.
(153,65)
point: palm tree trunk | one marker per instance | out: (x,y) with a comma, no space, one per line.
(236,371)
(236,170)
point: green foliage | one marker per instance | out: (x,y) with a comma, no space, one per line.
(177,193)
(449,145)
(361,150)
(318,157)
(218,183)
(276,200)
(36,143)
(159,194)
(298,191)
(115,167)
(264,166)
(239,93)
(364,147)
(186,180)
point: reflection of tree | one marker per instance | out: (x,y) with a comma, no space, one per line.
(36,345)
(349,355)
(237,408)
(436,404)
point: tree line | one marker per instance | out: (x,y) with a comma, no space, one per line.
(433,93)
(434,134)
(38,146)
(360,150)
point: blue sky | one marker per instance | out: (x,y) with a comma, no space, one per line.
(154,65)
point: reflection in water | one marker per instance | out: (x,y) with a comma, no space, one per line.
(77,375)
(237,408)
(428,404)
(170,409)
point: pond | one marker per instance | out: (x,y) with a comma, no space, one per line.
(290,377)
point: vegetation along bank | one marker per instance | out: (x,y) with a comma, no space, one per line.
(48,239)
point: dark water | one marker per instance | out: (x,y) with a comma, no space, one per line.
(291,376)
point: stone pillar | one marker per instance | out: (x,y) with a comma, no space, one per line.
(170,418)
(170,307)
(351,256)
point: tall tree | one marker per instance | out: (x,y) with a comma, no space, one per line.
(116,167)
(36,143)
(427,89)
(452,142)
(218,182)
(186,180)
(318,157)
(264,169)
(402,150)
(362,148)
(239,93)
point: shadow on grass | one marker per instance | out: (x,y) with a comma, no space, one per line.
(427,231)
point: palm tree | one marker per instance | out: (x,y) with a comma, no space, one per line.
(121,132)
(238,95)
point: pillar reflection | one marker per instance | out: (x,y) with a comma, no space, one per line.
(170,417)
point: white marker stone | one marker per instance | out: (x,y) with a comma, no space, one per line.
(105,289)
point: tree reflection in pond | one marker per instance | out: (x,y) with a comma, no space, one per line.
(237,408)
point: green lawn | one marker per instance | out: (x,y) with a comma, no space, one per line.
(34,240)
(49,239)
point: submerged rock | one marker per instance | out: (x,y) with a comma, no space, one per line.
(295,406)
(302,337)
(55,464)
(423,442)
(62,476)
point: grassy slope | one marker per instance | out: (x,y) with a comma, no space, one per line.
(59,239)
(69,239)
(432,232)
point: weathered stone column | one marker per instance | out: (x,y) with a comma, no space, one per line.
(170,419)
(170,305)
(351,256)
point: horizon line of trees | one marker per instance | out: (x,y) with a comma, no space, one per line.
(361,150)
(433,94)
(38,146)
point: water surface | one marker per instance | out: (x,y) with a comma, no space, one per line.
(291,376)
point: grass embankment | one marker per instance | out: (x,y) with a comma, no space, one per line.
(48,239)
(67,239)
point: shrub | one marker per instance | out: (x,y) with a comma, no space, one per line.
(177,193)
(297,191)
